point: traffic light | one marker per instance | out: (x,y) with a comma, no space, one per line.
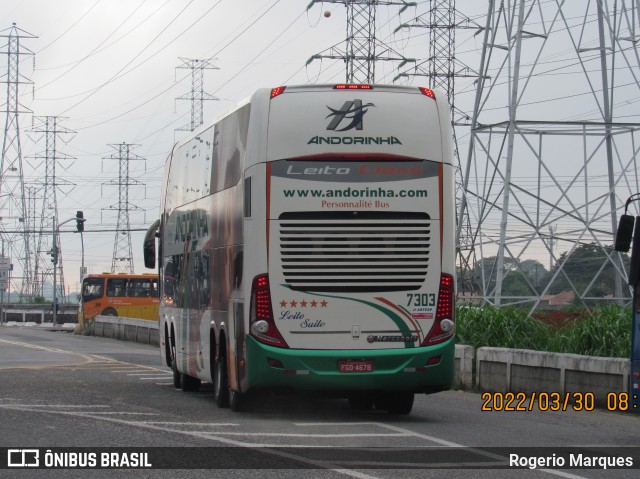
(54,254)
(80,221)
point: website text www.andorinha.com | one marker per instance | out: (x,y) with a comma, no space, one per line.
(355,193)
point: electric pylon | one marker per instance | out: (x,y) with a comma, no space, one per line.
(553,143)
(197,95)
(13,208)
(441,69)
(122,261)
(362,49)
(45,263)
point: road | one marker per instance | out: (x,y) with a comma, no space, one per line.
(63,390)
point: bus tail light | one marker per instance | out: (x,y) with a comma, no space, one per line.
(443,327)
(277,91)
(261,322)
(428,92)
(352,86)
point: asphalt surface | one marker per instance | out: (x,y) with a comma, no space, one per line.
(90,395)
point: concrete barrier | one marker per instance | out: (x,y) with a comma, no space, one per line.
(463,376)
(41,314)
(127,329)
(521,370)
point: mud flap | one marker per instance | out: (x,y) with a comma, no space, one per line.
(236,353)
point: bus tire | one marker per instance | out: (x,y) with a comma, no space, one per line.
(189,383)
(396,403)
(177,375)
(109,312)
(237,400)
(361,401)
(221,383)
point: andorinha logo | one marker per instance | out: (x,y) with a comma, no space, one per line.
(354,140)
(351,110)
(350,117)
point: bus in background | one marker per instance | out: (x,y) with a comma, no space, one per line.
(119,294)
(306,242)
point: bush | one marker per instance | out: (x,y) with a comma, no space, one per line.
(603,332)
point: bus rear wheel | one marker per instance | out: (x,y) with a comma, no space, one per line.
(177,375)
(361,401)
(221,383)
(237,400)
(189,383)
(395,403)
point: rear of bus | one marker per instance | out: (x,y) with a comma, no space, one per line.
(355,294)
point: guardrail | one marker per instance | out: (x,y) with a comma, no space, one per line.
(497,369)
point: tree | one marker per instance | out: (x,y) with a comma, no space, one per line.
(521,278)
(588,268)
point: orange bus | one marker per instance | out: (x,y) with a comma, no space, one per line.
(121,294)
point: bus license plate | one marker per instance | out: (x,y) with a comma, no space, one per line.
(358,366)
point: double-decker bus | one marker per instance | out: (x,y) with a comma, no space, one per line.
(119,294)
(306,242)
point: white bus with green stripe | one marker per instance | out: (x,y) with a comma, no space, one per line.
(306,243)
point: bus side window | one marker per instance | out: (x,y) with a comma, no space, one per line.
(93,289)
(132,288)
(116,287)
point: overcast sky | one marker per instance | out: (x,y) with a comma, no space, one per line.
(107,68)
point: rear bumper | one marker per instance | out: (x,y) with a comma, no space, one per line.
(315,370)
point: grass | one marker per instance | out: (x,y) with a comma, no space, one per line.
(604,332)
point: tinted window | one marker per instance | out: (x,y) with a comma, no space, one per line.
(92,288)
(116,287)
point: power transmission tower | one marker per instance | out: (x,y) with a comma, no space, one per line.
(48,257)
(362,49)
(13,207)
(441,69)
(197,95)
(562,151)
(122,261)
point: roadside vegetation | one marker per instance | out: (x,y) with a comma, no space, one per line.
(604,332)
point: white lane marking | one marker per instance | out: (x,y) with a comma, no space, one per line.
(203,435)
(61,406)
(284,434)
(437,440)
(181,423)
